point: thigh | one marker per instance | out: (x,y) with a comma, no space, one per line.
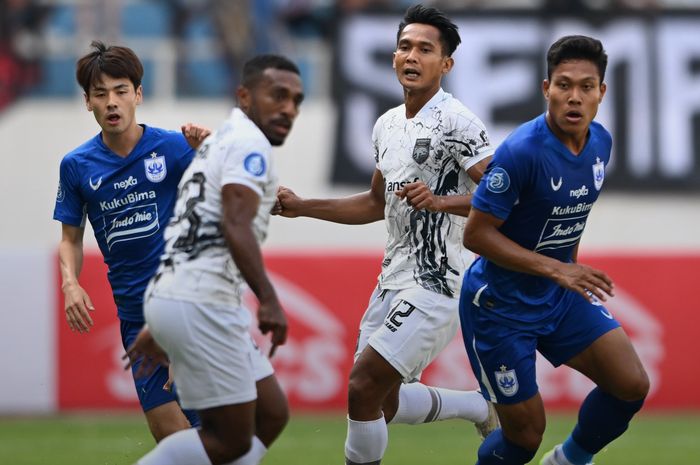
(373,318)
(502,358)
(578,325)
(418,325)
(149,389)
(209,349)
(612,363)
(262,368)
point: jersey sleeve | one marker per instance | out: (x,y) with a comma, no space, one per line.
(375,143)
(500,187)
(247,162)
(70,206)
(471,140)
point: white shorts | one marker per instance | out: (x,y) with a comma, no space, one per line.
(408,327)
(213,357)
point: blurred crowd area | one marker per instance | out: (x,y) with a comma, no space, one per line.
(194,48)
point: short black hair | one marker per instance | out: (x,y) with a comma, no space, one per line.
(254,68)
(449,36)
(114,61)
(577,48)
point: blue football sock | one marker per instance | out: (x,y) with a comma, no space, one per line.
(497,450)
(601,419)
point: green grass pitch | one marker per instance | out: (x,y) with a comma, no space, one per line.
(118,439)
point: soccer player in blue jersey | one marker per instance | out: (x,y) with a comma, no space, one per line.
(124,180)
(527,292)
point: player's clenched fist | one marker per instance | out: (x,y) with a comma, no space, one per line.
(287,203)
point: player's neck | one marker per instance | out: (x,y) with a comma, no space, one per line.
(416,99)
(123,143)
(575,142)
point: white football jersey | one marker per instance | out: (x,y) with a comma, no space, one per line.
(437,146)
(197,265)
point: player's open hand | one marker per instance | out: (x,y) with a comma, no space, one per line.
(146,350)
(194,134)
(419,196)
(78,307)
(287,204)
(271,319)
(591,283)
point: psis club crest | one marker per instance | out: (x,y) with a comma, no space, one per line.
(598,173)
(155,167)
(507,381)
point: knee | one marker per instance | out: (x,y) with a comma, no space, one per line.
(360,389)
(229,448)
(525,432)
(162,429)
(271,424)
(636,387)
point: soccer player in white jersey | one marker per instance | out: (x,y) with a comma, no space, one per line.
(193,304)
(430,152)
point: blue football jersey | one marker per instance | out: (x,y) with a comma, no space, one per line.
(129,201)
(544,193)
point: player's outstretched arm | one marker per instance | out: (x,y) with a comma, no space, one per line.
(482,236)
(77,303)
(363,208)
(240,206)
(194,134)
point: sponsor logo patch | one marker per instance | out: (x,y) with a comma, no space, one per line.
(126,183)
(255,164)
(60,194)
(555,187)
(498,180)
(95,186)
(131,223)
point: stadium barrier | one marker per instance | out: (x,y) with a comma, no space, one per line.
(325,295)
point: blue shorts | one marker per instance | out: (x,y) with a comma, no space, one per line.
(150,388)
(503,357)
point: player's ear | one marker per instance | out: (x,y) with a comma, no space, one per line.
(393,60)
(603,88)
(139,95)
(244,98)
(545,89)
(88,105)
(447,65)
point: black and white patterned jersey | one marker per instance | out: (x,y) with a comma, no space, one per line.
(197,265)
(437,146)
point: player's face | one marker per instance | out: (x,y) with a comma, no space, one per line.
(573,96)
(419,61)
(113,102)
(273,103)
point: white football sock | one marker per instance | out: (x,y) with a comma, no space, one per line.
(366,441)
(181,448)
(419,403)
(255,454)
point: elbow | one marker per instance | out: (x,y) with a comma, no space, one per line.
(469,240)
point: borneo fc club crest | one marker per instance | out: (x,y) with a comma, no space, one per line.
(421,150)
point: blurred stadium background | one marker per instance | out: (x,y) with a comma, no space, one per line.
(64,397)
